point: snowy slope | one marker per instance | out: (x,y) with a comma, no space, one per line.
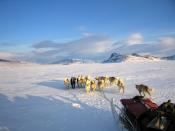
(33,96)
(9,61)
(3,60)
(116,57)
(158,49)
(172,57)
(72,61)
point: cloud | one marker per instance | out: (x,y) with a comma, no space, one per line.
(162,46)
(135,38)
(94,47)
(87,47)
(168,41)
(6,55)
(13,56)
(83,47)
(45,44)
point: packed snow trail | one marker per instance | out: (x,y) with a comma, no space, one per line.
(33,97)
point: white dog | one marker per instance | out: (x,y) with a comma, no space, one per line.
(67,82)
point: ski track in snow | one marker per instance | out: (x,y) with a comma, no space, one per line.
(33,97)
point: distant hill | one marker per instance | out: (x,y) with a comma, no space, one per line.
(9,61)
(3,60)
(72,61)
(116,57)
(172,57)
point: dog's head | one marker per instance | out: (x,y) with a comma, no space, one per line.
(96,77)
(137,87)
(92,82)
(66,79)
(117,78)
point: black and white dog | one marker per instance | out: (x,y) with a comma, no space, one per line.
(73,82)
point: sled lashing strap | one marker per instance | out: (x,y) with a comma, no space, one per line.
(150,104)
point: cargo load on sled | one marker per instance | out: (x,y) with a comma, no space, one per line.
(139,114)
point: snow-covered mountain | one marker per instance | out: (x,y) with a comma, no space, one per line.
(172,57)
(3,60)
(72,61)
(159,48)
(116,57)
(9,61)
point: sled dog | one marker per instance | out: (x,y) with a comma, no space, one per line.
(67,82)
(73,82)
(144,89)
(93,85)
(117,81)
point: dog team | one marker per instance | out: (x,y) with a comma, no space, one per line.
(101,82)
(91,84)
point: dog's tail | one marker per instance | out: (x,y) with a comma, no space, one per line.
(152,90)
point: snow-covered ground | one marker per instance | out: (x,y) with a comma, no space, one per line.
(33,97)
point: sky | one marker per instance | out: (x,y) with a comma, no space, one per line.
(41,30)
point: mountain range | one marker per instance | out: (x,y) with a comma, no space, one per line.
(70,61)
(3,60)
(169,57)
(9,61)
(114,58)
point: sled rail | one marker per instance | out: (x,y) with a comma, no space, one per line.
(123,115)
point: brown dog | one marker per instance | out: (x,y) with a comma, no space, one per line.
(93,85)
(144,89)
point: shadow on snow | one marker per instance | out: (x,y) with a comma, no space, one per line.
(37,113)
(57,84)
